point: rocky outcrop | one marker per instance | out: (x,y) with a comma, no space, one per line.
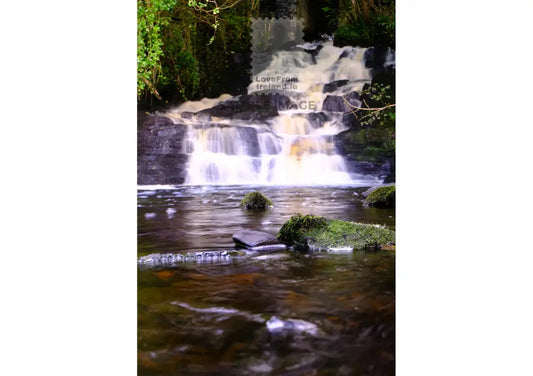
(250,107)
(334,85)
(346,103)
(160,155)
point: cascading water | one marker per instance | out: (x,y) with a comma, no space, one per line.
(295,146)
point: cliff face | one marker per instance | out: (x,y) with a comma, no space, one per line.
(160,156)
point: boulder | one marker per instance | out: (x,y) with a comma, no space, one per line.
(255,200)
(313,233)
(381,197)
(257,240)
(336,103)
(376,57)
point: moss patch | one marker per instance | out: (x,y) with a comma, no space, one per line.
(383,197)
(314,233)
(296,228)
(255,200)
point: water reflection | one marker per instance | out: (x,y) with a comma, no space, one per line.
(188,218)
(294,313)
(280,313)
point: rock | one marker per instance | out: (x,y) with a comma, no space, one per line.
(312,233)
(381,197)
(372,189)
(255,200)
(335,103)
(257,240)
(250,107)
(376,57)
(332,86)
(160,155)
(316,119)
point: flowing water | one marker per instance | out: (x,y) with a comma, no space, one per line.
(204,310)
(276,313)
(296,147)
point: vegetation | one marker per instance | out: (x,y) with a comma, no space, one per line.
(297,227)
(363,23)
(373,137)
(382,197)
(309,232)
(184,47)
(255,200)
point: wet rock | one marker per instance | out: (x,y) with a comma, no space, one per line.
(160,155)
(317,119)
(167,259)
(333,86)
(381,197)
(375,57)
(350,52)
(313,233)
(252,239)
(372,189)
(250,107)
(255,200)
(336,103)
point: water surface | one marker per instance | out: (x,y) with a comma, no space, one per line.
(279,313)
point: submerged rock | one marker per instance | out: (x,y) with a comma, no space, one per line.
(257,240)
(255,200)
(168,259)
(313,233)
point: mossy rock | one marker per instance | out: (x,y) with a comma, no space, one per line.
(255,200)
(313,233)
(382,197)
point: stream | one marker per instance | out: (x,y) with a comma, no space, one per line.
(276,313)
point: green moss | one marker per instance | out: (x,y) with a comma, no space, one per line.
(255,200)
(308,232)
(341,234)
(296,228)
(383,197)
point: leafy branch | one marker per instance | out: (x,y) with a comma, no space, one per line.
(374,116)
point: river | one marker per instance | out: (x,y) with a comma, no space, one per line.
(281,313)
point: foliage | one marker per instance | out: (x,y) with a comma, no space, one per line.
(373,139)
(255,200)
(382,197)
(183,45)
(318,233)
(152,17)
(295,229)
(365,23)
(381,97)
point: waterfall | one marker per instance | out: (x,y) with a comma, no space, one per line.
(247,140)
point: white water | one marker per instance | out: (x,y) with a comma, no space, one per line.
(288,149)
